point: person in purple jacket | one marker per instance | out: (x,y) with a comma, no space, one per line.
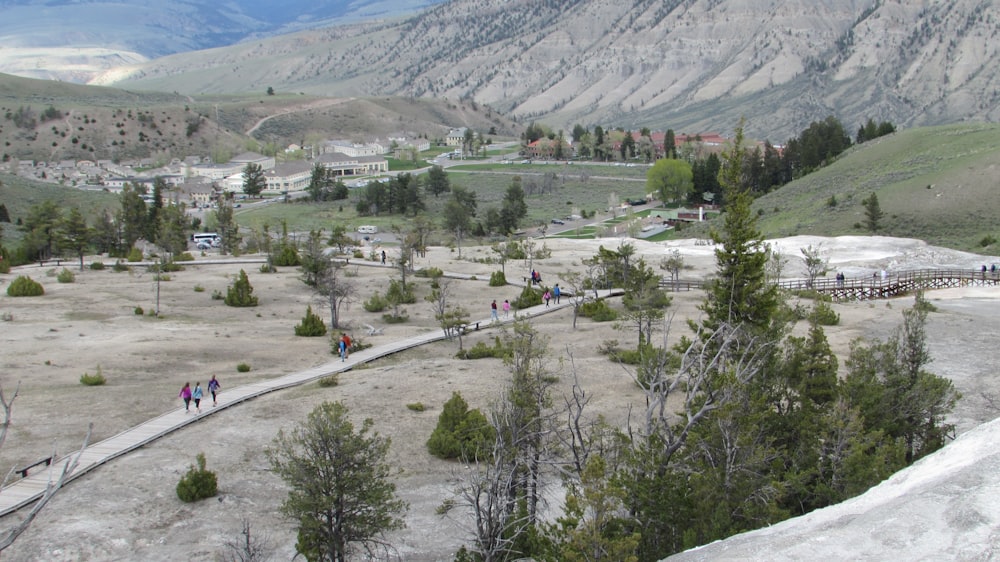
(186,396)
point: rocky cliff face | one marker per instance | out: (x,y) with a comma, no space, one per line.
(686,64)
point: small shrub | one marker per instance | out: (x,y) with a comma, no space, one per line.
(824,315)
(198,483)
(243,368)
(922,304)
(358,254)
(416,406)
(199,289)
(97,379)
(138,311)
(311,326)
(377,303)
(288,256)
(184,256)
(395,319)
(25,287)
(171,266)
(217,295)
(97,265)
(987,241)
(498,279)
(832,201)
(483,351)
(598,311)
(240,293)
(460,432)
(431,272)
(162,277)
(134,255)
(119,267)
(268,268)
(529,297)
(330,380)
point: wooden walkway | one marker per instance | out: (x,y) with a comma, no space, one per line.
(897,284)
(27,490)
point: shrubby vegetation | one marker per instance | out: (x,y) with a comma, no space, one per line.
(460,433)
(198,484)
(240,293)
(25,286)
(97,379)
(311,326)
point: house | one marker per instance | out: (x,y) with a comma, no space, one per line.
(340,164)
(288,176)
(199,193)
(456,137)
(352,148)
(548,149)
(265,162)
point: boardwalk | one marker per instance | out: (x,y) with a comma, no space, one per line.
(27,490)
(897,284)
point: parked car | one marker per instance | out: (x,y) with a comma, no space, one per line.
(558,221)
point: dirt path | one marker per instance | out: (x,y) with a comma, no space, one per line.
(318,104)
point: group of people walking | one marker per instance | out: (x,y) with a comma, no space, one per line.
(550,295)
(195,395)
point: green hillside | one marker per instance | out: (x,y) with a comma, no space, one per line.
(20,194)
(938,184)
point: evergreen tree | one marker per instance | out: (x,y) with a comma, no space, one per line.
(873,213)
(75,234)
(340,489)
(254,181)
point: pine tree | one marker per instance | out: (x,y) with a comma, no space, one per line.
(873,213)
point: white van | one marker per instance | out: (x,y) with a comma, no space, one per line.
(211,238)
(368,229)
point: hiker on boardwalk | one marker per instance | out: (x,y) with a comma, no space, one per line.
(506,308)
(547,296)
(196,396)
(493,310)
(556,292)
(186,396)
(213,387)
(383,257)
(345,345)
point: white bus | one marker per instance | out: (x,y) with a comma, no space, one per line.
(210,238)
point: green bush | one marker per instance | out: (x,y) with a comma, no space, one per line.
(243,368)
(184,256)
(134,255)
(987,240)
(312,325)
(431,272)
(97,265)
(598,311)
(483,351)
(287,255)
(217,295)
(171,266)
(394,318)
(119,267)
(528,297)
(198,483)
(138,311)
(330,380)
(25,287)
(460,432)
(416,406)
(240,293)
(199,289)
(498,279)
(824,315)
(377,303)
(268,268)
(97,379)
(66,276)
(358,254)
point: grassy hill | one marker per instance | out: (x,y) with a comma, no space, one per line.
(45,120)
(20,194)
(934,183)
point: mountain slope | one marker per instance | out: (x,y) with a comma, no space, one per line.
(686,64)
(61,40)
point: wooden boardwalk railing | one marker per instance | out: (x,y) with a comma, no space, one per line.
(895,284)
(866,288)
